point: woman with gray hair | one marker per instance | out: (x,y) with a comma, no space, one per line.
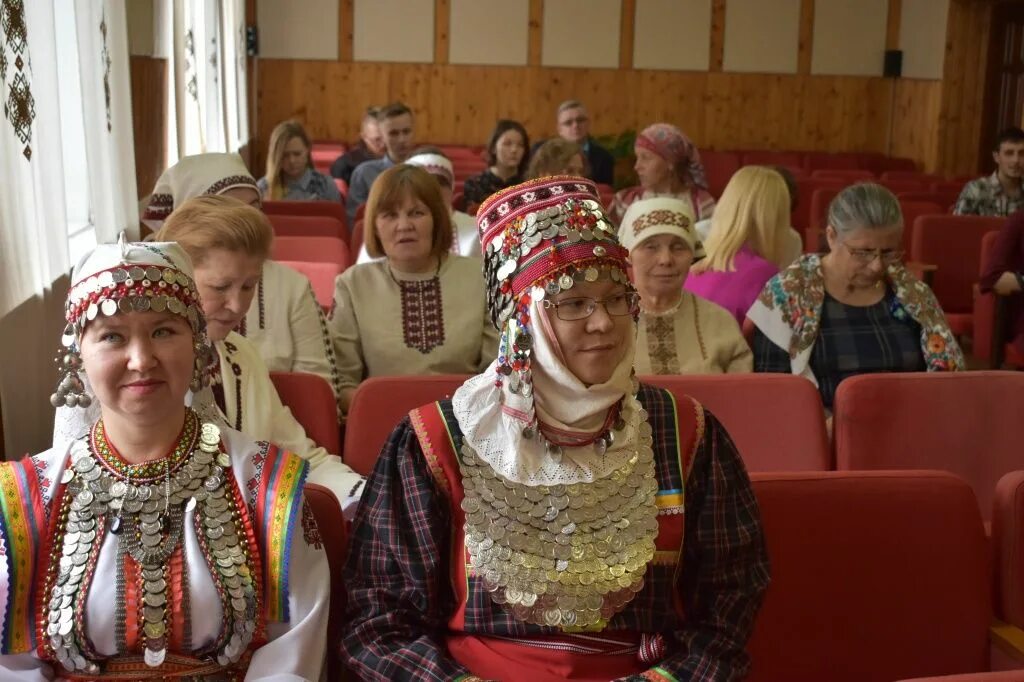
(856,309)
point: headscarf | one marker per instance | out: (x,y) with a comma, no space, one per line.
(660,215)
(669,142)
(121,278)
(539,238)
(435,164)
(195,176)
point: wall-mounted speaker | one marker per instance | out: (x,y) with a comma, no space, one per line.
(893,67)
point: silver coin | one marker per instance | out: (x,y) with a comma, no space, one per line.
(66,477)
(155,658)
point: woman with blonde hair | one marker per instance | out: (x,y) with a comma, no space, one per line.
(749,241)
(557,157)
(290,173)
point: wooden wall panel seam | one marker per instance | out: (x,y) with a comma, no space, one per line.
(442,30)
(346,23)
(717,56)
(805,48)
(627,26)
(536,33)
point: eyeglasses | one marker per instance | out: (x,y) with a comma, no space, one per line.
(579,120)
(866,256)
(616,305)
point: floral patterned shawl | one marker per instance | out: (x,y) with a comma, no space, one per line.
(788,312)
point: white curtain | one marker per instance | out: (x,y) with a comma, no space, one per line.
(207,98)
(69,177)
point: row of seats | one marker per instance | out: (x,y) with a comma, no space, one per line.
(967,423)
(876,576)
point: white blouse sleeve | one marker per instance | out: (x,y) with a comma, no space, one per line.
(295,652)
(348,348)
(310,339)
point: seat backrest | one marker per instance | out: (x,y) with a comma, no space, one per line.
(985,308)
(868,569)
(332,530)
(968,423)
(915,175)
(356,245)
(311,249)
(911,210)
(773,158)
(312,403)
(1008,547)
(380,403)
(327,208)
(719,167)
(776,420)
(833,160)
(286,225)
(952,243)
(821,197)
(321,277)
(849,175)
(897,185)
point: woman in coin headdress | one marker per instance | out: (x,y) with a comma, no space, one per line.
(158,546)
(535,526)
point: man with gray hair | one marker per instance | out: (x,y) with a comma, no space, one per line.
(574,126)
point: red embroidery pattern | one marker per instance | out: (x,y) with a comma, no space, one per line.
(422,317)
(310,531)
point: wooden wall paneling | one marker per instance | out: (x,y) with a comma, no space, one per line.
(536,33)
(717,35)
(459,104)
(442,20)
(346,23)
(626,31)
(892,27)
(959,122)
(915,112)
(806,46)
(149,122)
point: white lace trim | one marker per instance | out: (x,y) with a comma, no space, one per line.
(497,438)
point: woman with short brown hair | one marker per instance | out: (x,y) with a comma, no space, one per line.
(420,309)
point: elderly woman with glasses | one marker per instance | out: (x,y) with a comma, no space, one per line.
(856,309)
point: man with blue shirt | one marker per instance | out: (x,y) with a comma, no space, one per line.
(396,125)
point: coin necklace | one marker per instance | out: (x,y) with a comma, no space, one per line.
(565,556)
(147,518)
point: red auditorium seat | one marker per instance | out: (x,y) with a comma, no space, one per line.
(773,158)
(751,406)
(357,240)
(332,209)
(967,423)
(312,403)
(1008,546)
(833,161)
(1006,676)
(927,195)
(333,534)
(949,186)
(990,335)
(911,210)
(380,403)
(904,185)
(801,215)
(953,245)
(915,175)
(308,226)
(311,249)
(849,176)
(719,167)
(875,576)
(321,277)
(814,235)
(342,187)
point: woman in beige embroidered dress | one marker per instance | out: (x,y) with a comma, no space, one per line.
(678,332)
(420,309)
